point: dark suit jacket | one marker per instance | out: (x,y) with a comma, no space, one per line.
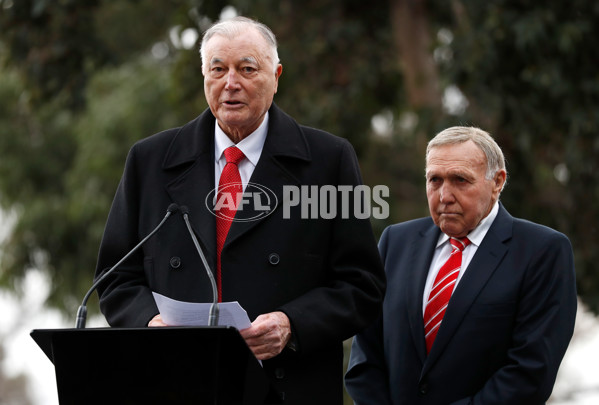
(325,274)
(503,336)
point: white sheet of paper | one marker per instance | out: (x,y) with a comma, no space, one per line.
(181,313)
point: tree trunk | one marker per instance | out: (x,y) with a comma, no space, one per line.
(411,32)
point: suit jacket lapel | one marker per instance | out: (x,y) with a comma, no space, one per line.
(422,250)
(192,154)
(481,267)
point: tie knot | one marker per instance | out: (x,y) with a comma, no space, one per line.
(459,243)
(233,154)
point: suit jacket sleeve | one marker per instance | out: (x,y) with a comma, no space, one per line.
(353,293)
(542,330)
(367,377)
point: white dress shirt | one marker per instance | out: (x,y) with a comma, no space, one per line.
(444,248)
(251,146)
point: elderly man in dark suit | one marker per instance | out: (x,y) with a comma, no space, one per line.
(307,282)
(480,305)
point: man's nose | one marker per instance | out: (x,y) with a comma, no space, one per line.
(232,79)
(446,194)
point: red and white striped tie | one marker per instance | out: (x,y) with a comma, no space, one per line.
(440,294)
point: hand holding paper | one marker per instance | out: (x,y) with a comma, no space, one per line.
(180,313)
(268,335)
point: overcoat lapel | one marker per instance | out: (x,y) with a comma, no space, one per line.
(192,153)
(191,159)
(284,140)
(484,263)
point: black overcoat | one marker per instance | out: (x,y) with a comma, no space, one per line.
(324,273)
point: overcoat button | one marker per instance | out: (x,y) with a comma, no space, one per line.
(279,373)
(423,389)
(175,262)
(274,259)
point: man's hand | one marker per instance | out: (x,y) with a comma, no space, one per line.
(157,321)
(268,335)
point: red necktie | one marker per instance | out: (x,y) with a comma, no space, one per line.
(441,291)
(229,190)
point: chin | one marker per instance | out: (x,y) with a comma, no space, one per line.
(453,231)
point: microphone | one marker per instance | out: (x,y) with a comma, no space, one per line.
(213,316)
(82,311)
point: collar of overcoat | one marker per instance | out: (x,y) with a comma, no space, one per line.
(191,153)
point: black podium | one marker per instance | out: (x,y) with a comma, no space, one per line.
(169,365)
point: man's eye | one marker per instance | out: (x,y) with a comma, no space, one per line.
(217,70)
(248,69)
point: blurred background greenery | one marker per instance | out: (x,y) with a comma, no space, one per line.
(82,80)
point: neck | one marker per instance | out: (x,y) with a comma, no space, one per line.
(237,134)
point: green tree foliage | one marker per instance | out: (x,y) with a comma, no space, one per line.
(45,42)
(528,70)
(80,81)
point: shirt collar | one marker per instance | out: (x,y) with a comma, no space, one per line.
(251,145)
(477,235)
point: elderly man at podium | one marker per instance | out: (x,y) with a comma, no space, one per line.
(306,282)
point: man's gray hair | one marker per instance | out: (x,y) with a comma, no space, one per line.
(482,139)
(237,26)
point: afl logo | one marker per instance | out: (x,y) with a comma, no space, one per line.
(259,200)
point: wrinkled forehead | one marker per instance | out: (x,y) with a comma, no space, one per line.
(459,155)
(216,60)
(247,41)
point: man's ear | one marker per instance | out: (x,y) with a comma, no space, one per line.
(278,73)
(499,180)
